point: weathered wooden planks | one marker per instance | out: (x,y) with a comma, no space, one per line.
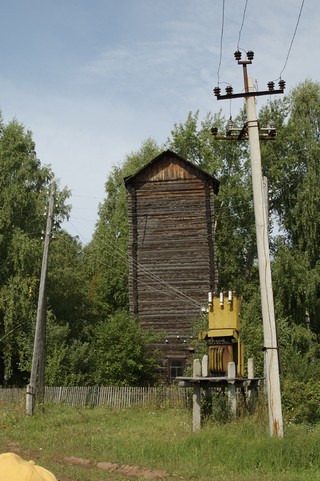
(172,255)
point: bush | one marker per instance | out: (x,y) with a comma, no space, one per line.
(120,354)
(301,401)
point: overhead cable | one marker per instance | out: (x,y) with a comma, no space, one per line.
(292,40)
(243,18)
(221,39)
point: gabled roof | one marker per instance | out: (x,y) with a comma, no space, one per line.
(168,153)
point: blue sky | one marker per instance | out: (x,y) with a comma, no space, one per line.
(92,79)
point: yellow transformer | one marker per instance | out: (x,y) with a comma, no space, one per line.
(223,334)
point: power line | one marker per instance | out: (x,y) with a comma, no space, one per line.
(148,273)
(243,18)
(221,39)
(12,330)
(293,37)
(130,276)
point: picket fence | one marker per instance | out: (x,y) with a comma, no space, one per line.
(111,396)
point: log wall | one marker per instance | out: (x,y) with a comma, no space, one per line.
(172,255)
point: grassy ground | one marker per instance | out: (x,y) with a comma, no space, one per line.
(158,439)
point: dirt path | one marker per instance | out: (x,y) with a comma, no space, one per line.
(123,469)
(126,470)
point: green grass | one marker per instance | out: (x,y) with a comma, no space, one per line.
(160,439)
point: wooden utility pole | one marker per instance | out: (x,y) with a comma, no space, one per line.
(251,131)
(38,359)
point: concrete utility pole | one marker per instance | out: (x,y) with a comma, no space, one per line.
(251,131)
(38,358)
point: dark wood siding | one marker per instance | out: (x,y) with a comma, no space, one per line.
(172,258)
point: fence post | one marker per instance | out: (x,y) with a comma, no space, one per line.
(232,395)
(251,384)
(205,366)
(196,401)
(30,400)
(250,368)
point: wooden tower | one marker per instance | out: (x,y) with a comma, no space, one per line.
(172,263)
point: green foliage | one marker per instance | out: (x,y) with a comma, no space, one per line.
(17,310)
(88,286)
(299,364)
(300,352)
(111,352)
(69,357)
(66,284)
(234,224)
(228,162)
(292,166)
(23,196)
(216,408)
(120,353)
(107,254)
(252,328)
(301,401)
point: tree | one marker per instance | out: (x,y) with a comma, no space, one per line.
(87,288)
(107,254)
(292,165)
(120,352)
(228,162)
(70,359)
(67,284)
(110,352)
(23,193)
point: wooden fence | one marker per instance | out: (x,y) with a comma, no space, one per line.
(111,396)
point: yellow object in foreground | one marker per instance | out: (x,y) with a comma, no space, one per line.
(14,468)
